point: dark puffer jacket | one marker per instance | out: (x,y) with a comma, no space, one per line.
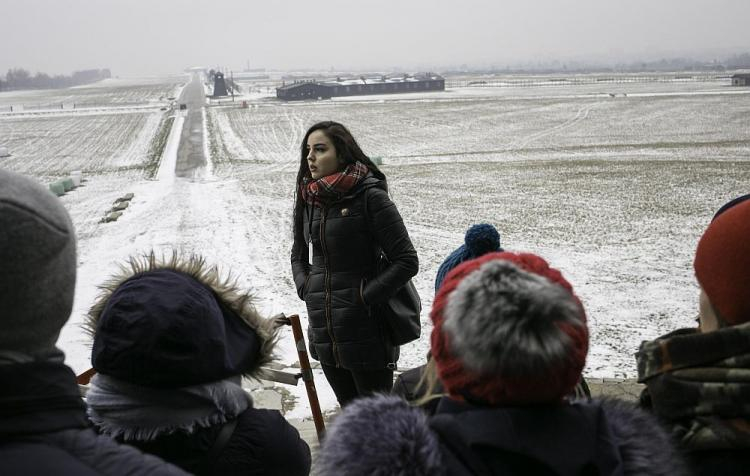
(44,430)
(345,330)
(605,437)
(263,443)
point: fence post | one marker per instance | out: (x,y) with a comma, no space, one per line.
(307,375)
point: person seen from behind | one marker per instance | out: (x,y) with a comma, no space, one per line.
(509,342)
(343,221)
(43,424)
(172,339)
(698,380)
(479,240)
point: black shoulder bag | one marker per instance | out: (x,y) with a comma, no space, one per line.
(401,312)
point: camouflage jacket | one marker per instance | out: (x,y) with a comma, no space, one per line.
(699,383)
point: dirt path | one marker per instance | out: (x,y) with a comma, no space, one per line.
(191,157)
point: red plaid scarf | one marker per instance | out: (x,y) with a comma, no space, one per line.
(332,187)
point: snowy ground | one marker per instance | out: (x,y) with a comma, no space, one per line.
(109,92)
(614,191)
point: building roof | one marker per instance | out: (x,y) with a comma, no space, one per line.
(296,84)
(363,80)
(384,79)
(741,76)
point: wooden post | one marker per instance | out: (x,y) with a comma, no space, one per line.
(307,375)
(85,377)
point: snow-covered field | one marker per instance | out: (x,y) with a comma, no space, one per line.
(112,92)
(614,191)
(53,144)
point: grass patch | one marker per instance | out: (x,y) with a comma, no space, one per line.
(216,146)
(288,400)
(158,144)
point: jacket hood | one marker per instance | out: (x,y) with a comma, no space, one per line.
(173,322)
(385,432)
(369,181)
(645,446)
(380,435)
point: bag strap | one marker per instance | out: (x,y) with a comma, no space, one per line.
(378,249)
(367,209)
(225,434)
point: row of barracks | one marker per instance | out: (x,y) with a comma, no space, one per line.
(311,89)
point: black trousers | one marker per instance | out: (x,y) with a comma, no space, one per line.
(350,384)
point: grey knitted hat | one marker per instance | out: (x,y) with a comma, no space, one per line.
(37,265)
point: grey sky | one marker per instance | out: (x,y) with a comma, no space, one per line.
(145,37)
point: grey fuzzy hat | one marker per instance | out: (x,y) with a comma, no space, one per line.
(37,265)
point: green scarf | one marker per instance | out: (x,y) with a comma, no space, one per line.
(700,384)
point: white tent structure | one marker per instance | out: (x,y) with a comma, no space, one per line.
(4,151)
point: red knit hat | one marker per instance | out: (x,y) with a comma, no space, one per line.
(722,262)
(508,329)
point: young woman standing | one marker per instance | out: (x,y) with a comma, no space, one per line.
(343,218)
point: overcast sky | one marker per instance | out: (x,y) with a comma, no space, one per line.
(153,37)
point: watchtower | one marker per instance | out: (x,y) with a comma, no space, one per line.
(220,87)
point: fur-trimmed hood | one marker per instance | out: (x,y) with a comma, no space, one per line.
(381,435)
(176,321)
(384,435)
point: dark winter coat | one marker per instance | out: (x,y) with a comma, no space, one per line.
(263,443)
(340,286)
(407,387)
(44,430)
(697,384)
(603,437)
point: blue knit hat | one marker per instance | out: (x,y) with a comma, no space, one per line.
(479,240)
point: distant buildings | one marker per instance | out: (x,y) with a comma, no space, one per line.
(305,89)
(312,89)
(741,79)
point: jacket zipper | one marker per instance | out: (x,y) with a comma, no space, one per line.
(329,323)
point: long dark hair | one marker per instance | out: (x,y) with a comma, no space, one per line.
(347,150)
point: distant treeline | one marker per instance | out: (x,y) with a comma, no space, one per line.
(740,61)
(19,78)
(737,61)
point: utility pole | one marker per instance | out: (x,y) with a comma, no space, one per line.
(231,78)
